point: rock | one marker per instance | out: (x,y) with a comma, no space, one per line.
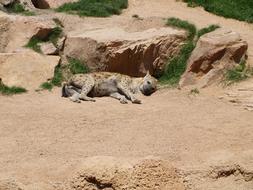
(121,174)
(28,70)
(28,4)
(6,2)
(131,53)
(48,48)
(16,31)
(46,4)
(215,53)
(60,43)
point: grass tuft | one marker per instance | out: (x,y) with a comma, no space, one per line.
(206,30)
(77,67)
(53,37)
(6,90)
(177,65)
(58,77)
(56,80)
(47,86)
(238,73)
(96,8)
(175,22)
(34,44)
(236,9)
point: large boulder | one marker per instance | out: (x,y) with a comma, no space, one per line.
(16,31)
(215,53)
(117,174)
(26,69)
(131,53)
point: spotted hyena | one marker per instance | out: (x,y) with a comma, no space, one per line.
(115,85)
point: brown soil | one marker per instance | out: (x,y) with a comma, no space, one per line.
(44,137)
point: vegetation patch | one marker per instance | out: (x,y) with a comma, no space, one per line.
(47,86)
(177,65)
(34,44)
(237,9)
(77,67)
(206,30)
(61,73)
(95,8)
(19,9)
(56,80)
(238,73)
(6,90)
(53,37)
(178,23)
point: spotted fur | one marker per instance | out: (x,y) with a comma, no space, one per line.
(122,87)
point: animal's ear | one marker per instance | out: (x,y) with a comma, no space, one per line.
(148,74)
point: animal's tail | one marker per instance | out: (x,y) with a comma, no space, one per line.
(63,91)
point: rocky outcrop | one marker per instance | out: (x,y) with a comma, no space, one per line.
(116,174)
(131,53)
(16,31)
(26,69)
(214,54)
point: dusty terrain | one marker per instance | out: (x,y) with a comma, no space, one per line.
(44,137)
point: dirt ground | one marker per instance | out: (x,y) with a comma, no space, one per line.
(44,137)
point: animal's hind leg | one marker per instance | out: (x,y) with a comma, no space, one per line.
(119,97)
(73,93)
(85,91)
(75,97)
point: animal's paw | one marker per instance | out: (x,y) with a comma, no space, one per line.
(123,101)
(75,100)
(136,101)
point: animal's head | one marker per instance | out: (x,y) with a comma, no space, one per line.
(149,85)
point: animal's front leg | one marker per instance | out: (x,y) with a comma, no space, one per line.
(119,97)
(129,94)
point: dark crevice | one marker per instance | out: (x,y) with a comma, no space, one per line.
(98,184)
(40,4)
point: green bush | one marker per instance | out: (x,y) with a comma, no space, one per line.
(237,9)
(96,8)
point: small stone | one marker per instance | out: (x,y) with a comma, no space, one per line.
(48,48)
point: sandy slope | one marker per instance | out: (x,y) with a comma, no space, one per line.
(44,137)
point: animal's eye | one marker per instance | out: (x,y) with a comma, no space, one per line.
(148,82)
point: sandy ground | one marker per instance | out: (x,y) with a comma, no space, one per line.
(44,137)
